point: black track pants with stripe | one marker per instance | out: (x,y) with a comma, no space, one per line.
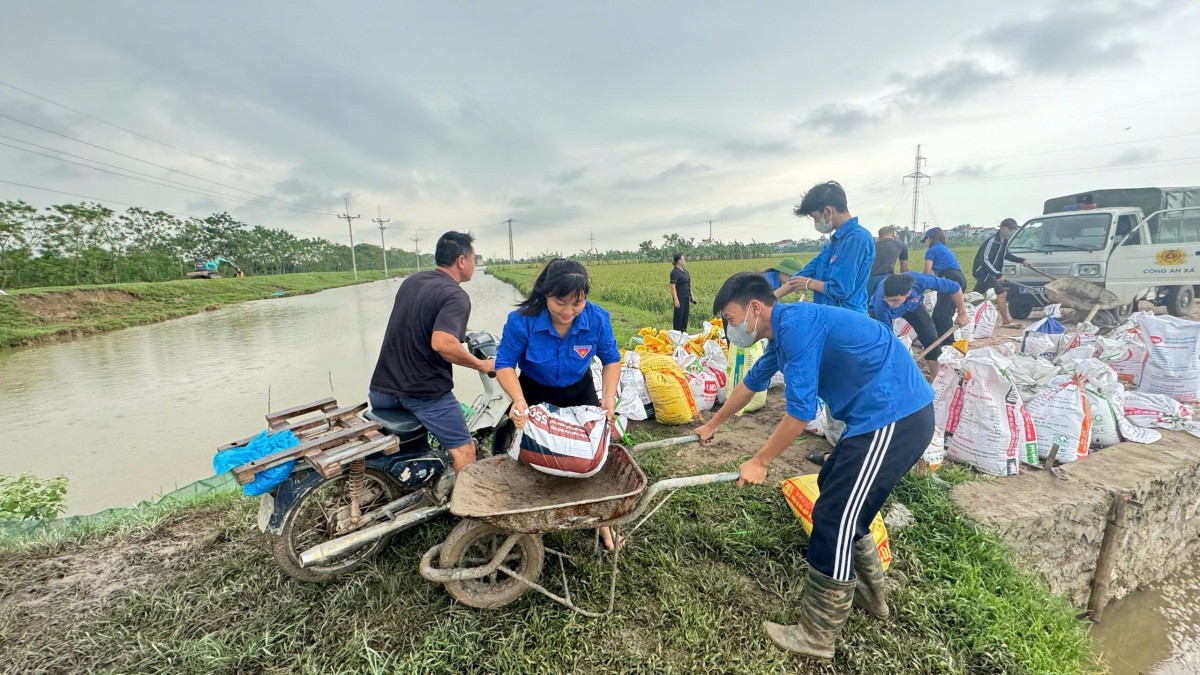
(855,481)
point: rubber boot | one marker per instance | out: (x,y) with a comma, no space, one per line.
(869,594)
(823,609)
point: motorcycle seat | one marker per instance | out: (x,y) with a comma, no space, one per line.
(398,422)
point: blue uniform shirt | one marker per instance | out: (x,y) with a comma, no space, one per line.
(942,257)
(921,283)
(862,372)
(844,265)
(532,343)
(772,277)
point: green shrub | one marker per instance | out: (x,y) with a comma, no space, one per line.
(27,497)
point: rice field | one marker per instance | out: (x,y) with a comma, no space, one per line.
(638,294)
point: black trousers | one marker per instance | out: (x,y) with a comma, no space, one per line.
(855,481)
(580,393)
(922,324)
(679,321)
(944,310)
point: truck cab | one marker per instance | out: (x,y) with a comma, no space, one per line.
(1136,256)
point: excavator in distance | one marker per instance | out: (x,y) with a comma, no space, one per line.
(208,269)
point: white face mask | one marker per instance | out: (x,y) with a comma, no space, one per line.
(739,336)
(824,225)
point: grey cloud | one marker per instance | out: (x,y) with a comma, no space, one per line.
(967,171)
(569,176)
(543,211)
(839,118)
(732,213)
(753,148)
(1134,156)
(684,169)
(953,82)
(1072,37)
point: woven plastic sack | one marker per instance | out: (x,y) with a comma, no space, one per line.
(671,395)
(801,494)
(740,361)
(1062,416)
(570,442)
(1173,366)
(1046,338)
(986,424)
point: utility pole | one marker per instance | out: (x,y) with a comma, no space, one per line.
(349,219)
(710,231)
(916,177)
(382,245)
(417,245)
(591,244)
(510,246)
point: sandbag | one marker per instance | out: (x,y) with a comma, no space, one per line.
(801,494)
(570,442)
(1045,338)
(935,453)
(739,361)
(715,361)
(632,396)
(704,389)
(944,386)
(985,317)
(1173,366)
(669,390)
(987,426)
(1105,396)
(1031,374)
(1160,411)
(817,424)
(1125,351)
(1062,416)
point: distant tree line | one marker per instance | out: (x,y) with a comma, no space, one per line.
(88,243)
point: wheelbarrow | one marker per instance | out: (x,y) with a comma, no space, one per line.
(1084,296)
(495,554)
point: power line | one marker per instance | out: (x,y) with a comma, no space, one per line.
(94,199)
(130,131)
(349,219)
(160,166)
(383,245)
(1180,161)
(161,182)
(1081,147)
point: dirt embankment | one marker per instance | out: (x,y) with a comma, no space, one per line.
(70,304)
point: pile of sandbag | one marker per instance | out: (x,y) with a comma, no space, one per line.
(674,374)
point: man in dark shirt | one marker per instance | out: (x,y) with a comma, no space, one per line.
(988,268)
(424,337)
(888,250)
(681,293)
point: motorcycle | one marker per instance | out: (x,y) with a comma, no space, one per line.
(320,526)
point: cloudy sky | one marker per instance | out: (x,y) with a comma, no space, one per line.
(618,120)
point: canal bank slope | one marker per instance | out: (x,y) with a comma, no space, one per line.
(64,312)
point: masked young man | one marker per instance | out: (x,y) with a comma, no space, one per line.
(869,381)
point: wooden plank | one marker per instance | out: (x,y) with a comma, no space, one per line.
(299,428)
(245,473)
(279,418)
(331,462)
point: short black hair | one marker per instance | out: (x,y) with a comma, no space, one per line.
(897,284)
(1009,222)
(822,195)
(676,257)
(452,245)
(560,278)
(741,288)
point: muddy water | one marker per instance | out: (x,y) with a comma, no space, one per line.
(139,412)
(1155,630)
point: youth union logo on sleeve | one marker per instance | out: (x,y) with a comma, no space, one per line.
(583,350)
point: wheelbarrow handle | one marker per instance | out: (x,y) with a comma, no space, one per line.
(671,484)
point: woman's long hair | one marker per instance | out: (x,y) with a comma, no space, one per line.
(938,237)
(560,278)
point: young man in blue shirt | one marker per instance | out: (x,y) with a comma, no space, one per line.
(869,381)
(903,296)
(838,275)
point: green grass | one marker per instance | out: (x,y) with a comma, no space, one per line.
(41,314)
(638,294)
(694,586)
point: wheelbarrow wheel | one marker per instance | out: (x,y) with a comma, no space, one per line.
(473,544)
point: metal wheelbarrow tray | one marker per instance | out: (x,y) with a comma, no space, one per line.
(511,496)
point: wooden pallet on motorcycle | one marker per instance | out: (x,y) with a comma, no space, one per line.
(327,440)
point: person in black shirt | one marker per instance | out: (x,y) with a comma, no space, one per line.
(424,337)
(888,250)
(681,293)
(988,268)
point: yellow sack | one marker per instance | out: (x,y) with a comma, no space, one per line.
(658,362)
(738,363)
(801,493)
(669,390)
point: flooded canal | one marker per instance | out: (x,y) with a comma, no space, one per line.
(139,412)
(1155,630)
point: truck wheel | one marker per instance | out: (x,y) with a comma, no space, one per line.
(1020,312)
(1179,300)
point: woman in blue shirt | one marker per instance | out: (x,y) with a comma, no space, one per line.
(553,336)
(940,261)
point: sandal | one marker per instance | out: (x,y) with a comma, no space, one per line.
(1011,324)
(817,457)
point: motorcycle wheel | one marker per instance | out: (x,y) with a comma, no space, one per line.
(314,518)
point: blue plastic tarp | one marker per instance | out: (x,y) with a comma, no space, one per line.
(260,446)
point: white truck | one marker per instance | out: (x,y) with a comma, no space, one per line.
(1139,243)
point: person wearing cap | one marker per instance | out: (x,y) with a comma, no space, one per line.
(781,274)
(838,275)
(869,381)
(988,268)
(888,251)
(940,261)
